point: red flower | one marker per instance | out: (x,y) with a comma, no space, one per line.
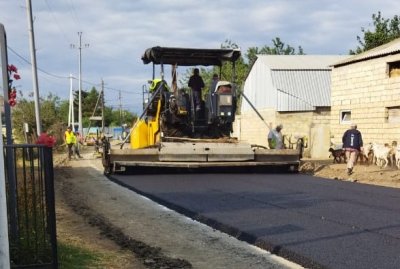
(12,93)
(12,68)
(12,102)
(47,140)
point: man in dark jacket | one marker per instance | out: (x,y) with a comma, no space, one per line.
(352,144)
(196,83)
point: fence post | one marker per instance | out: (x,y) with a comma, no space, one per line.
(4,243)
(11,179)
(50,200)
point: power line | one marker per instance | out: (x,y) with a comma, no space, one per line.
(74,14)
(67,77)
(56,21)
(124,91)
(28,62)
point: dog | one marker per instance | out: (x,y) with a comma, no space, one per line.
(338,155)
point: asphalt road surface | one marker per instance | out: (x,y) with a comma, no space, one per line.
(318,223)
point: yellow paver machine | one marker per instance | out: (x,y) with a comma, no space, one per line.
(174,134)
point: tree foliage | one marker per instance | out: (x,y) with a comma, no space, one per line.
(89,102)
(224,72)
(242,65)
(24,112)
(385,30)
(278,48)
(54,115)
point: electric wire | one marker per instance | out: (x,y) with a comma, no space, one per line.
(56,21)
(67,77)
(29,63)
(74,15)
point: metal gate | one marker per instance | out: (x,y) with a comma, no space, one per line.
(31,206)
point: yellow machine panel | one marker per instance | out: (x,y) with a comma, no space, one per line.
(146,132)
(139,135)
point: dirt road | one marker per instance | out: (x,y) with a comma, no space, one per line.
(105,216)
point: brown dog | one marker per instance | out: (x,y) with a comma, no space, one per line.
(338,155)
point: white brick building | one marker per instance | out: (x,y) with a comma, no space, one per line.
(366,90)
(293,90)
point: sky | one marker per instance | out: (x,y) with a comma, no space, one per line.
(115,34)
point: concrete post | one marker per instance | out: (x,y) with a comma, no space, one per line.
(4,243)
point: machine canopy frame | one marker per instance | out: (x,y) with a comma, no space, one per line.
(189,56)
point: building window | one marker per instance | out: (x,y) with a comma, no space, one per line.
(394,69)
(345,116)
(393,114)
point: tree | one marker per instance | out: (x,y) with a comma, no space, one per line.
(89,101)
(24,112)
(385,31)
(117,118)
(64,110)
(225,72)
(55,111)
(278,48)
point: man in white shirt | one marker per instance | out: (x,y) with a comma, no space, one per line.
(275,138)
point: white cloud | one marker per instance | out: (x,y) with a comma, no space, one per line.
(119,32)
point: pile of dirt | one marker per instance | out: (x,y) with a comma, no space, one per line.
(362,173)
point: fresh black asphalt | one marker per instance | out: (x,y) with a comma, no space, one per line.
(318,223)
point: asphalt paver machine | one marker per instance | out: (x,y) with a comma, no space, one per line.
(171,134)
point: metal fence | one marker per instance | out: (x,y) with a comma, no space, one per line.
(31,206)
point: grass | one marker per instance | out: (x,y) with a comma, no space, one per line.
(74,257)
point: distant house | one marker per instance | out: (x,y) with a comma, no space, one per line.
(293,90)
(366,90)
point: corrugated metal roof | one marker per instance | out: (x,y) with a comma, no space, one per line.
(301,90)
(290,82)
(392,47)
(300,62)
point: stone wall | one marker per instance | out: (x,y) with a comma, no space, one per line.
(365,89)
(312,125)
